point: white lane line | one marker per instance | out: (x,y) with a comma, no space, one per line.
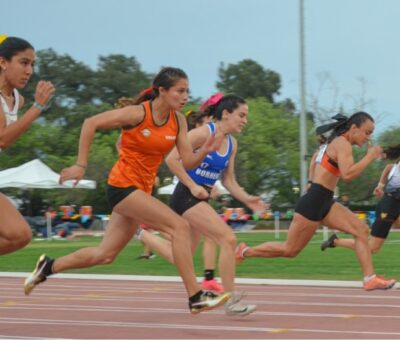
(191,327)
(13,300)
(53,288)
(141,310)
(252,281)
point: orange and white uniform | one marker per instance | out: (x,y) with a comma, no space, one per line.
(142,150)
(327,162)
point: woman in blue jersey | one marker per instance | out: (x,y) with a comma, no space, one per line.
(191,195)
(17,58)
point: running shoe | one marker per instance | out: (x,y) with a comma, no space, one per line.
(212,285)
(379,282)
(329,243)
(146,257)
(239,253)
(208,301)
(235,308)
(37,275)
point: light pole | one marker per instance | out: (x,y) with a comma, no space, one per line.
(303,118)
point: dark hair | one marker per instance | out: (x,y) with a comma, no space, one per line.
(343,124)
(12,46)
(229,102)
(392,152)
(321,139)
(194,118)
(166,78)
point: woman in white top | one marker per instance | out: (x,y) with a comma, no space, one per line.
(17,57)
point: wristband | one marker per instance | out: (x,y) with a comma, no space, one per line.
(80,165)
(39,106)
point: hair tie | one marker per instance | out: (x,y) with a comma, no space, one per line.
(213,100)
(340,120)
(188,113)
(147,91)
(2,38)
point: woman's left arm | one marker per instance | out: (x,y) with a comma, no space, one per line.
(189,158)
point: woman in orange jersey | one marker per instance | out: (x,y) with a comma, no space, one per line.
(317,206)
(149,131)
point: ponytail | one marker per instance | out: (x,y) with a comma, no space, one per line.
(343,124)
(219,103)
(145,95)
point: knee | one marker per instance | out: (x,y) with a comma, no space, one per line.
(361,231)
(25,238)
(105,257)
(229,241)
(375,249)
(180,229)
(291,253)
(21,239)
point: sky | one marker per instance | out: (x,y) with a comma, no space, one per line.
(352,46)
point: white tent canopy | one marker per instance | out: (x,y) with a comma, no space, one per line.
(169,189)
(35,174)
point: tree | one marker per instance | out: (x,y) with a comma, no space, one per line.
(119,76)
(268,152)
(249,79)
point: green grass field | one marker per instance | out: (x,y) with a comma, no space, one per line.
(333,264)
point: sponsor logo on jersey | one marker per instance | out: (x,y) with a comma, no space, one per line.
(145,132)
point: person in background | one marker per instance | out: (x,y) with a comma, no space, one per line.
(334,160)
(17,59)
(387,210)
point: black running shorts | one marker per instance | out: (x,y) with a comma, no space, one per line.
(387,211)
(315,203)
(182,199)
(116,195)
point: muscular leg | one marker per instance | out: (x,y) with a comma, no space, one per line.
(158,244)
(119,232)
(375,243)
(163,246)
(301,230)
(15,232)
(341,218)
(151,211)
(203,218)
(209,252)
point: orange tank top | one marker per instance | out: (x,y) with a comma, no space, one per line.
(327,162)
(142,150)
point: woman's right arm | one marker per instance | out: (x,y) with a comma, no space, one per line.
(127,116)
(349,169)
(196,137)
(9,134)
